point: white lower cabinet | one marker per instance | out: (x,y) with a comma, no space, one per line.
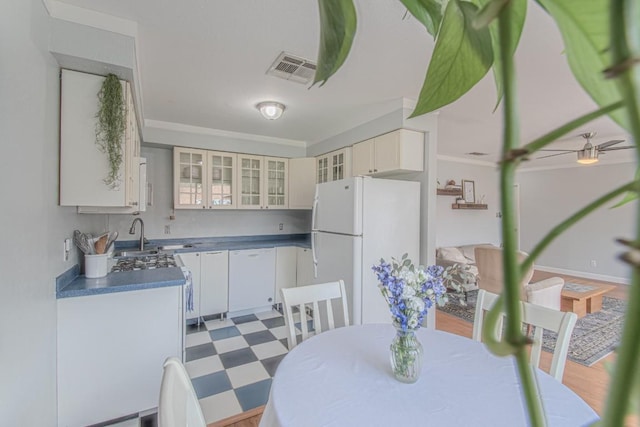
(110,351)
(286,266)
(210,278)
(304,267)
(214,282)
(252,276)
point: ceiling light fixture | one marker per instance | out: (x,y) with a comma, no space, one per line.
(588,155)
(271,110)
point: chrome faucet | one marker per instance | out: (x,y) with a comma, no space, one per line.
(132,230)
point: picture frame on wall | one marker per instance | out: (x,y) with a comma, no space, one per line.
(469,191)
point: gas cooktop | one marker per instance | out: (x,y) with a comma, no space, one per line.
(144,263)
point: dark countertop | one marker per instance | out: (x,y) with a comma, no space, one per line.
(72,284)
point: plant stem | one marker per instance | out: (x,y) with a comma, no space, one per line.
(627,363)
(510,264)
(564,225)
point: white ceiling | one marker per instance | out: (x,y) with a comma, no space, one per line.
(203,62)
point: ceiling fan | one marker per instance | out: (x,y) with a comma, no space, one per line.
(589,153)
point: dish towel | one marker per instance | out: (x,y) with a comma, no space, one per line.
(189,285)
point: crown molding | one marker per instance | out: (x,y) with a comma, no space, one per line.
(454,159)
(91,18)
(179,127)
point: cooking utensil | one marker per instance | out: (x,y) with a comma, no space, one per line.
(101,244)
(81,240)
(111,240)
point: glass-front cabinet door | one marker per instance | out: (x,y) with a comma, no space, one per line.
(221,180)
(249,181)
(323,169)
(189,179)
(337,166)
(276,176)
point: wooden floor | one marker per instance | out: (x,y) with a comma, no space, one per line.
(590,383)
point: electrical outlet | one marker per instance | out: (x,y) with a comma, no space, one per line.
(167,229)
(594,263)
(281,227)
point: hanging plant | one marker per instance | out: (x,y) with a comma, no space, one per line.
(110,126)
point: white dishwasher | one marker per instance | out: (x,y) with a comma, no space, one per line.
(252,278)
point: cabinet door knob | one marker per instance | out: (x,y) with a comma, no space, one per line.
(369,170)
(375,170)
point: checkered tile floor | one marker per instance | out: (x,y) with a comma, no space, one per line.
(231,362)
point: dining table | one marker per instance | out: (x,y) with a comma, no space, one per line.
(343,377)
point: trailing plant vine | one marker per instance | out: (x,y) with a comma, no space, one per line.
(602,45)
(111,126)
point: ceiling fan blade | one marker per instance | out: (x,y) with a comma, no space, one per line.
(626,147)
(609,143)
(566,151)
(553,155)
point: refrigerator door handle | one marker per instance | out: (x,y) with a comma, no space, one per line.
(314,211)
(313,254)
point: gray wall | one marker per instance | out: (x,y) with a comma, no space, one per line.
(200,223)
(460,227)
(35,227)
(549,196)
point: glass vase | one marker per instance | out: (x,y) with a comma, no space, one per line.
(406,356)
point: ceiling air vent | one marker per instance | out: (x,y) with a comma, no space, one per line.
(477,153)
(294,68)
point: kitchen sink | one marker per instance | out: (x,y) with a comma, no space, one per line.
(136,252)
(174,247)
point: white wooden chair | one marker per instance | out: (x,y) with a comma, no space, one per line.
(313,295)
(484,303)
(540,318)
(557,321)
(178,405)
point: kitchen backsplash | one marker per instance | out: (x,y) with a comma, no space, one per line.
(195,223)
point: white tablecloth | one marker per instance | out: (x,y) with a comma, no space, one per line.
(343,378)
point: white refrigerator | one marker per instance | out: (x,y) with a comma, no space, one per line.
(355,222)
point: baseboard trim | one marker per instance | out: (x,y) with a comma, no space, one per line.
(603,277)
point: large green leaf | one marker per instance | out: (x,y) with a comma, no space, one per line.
(629,196)
(584,26)
(337,27)
(519,13)
(429,12)
(461,57)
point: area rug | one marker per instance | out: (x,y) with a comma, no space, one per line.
(594,336)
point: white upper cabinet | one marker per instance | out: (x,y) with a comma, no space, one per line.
(262,182)
(221,180)
(394,152)
(302,182)
(189,169)
(334,165)
(83,166)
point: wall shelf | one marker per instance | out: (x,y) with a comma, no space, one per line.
(449,192)
(476,206)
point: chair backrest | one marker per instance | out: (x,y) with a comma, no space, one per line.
(540,318)
(313,295)
(178,405)
(485,301)
(490,272)
(560,322)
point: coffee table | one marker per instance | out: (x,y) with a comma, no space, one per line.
(585,300)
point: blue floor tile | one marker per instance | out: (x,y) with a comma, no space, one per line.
(223,333)
(244,319)
(271,364)
(253,395)
(237,358)
(260,337)
(208,385)
(200,351)
(274,322)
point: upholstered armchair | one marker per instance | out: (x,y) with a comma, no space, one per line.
(546,293)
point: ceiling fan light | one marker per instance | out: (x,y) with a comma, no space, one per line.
(271,110)
(588,156)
